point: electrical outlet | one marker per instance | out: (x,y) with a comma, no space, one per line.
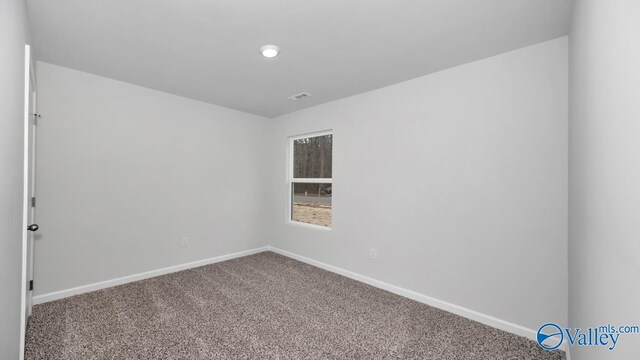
(373,253)
(184,242)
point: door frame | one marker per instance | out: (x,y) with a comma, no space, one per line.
(30,91)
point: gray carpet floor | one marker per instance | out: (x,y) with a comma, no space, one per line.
(263,306)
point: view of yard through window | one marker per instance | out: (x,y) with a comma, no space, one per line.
(311,182)
(311,204)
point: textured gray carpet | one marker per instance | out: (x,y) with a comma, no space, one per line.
(263,306)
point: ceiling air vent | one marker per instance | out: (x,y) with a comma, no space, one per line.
(300,96)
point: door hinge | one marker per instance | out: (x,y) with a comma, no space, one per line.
(33,201)
(30,285)
(36,117)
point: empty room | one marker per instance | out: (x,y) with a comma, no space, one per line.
(335,179)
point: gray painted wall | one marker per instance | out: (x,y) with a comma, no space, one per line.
(458,178)
(13,36)
(604,175)
(124,172)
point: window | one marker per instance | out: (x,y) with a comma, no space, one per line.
(310,183)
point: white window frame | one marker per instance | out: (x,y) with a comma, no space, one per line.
(291,180)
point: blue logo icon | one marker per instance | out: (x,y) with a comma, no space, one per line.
(550,336)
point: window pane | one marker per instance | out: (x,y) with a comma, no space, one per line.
(311,203)
(312,157)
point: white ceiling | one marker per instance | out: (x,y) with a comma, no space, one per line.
(208,49)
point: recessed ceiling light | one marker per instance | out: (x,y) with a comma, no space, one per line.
(269,51)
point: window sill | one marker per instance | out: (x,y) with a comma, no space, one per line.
(308,226)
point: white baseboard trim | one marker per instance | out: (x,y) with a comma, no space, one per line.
(440,304)
(57,295)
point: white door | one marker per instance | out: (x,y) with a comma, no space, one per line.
(32,122)
(29,225)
